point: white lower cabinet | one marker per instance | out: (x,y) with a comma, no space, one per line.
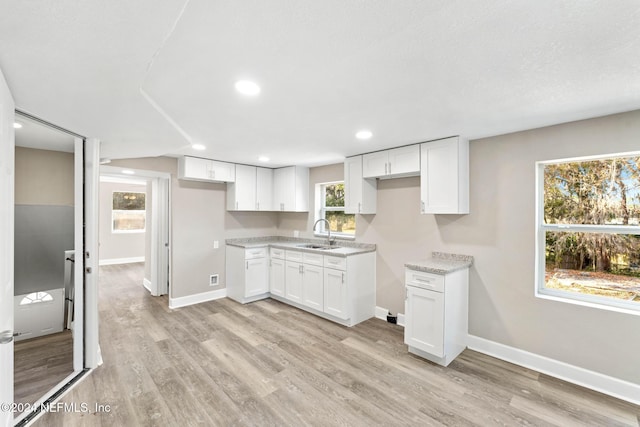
(247,273)
(335,293)
(293,281)
(338,288)
(436,314)
(276,276)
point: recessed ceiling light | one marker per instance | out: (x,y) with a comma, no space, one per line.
(128,172)
(17,125)
(263,159)
(247,87)
(198,147)
(364,134)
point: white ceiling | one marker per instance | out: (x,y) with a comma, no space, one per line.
(36,135)
(150,78)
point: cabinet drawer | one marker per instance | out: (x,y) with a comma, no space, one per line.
(313,259)
(338,263)
(277,253)
(421,279)
(293,255)
(255,253)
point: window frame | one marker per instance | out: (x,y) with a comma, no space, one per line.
(143,230)
(541,291)
(321,210)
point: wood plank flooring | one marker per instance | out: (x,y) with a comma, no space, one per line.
(41,363)
(268,364)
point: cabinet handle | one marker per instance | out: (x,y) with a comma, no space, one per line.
(424,280)
(342,277)
(247,262)
(359,203)
(422,202)
(385,168)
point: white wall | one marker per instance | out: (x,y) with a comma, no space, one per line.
(118,245)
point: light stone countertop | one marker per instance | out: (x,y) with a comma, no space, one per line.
(441,263)
(344,248)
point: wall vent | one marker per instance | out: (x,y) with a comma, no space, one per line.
(213,280)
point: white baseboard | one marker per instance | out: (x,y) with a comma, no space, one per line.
(147,284)
(197,298)
(593,380)
(381,313)
(113,261)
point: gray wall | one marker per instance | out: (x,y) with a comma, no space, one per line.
(198,217)
(44,218)
(119,245)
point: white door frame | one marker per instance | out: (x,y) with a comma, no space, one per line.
(7,163)
(160,223)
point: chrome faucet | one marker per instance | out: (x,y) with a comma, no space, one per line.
(328,229)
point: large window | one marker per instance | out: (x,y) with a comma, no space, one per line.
(588,237)
(330,197)
(128,214)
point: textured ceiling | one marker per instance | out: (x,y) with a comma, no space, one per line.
(149,78)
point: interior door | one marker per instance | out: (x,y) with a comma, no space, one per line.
(7,152)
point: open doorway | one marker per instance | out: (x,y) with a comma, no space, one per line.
(48,321)
(134,224)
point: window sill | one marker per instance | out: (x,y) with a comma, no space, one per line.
(128,231)
(337,236)
(582,301)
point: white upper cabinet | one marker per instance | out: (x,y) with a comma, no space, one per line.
(197,169)
(395,163)
(444,178)
(241,194)
(291,189)
(264,189)
(360,194)
(252,190)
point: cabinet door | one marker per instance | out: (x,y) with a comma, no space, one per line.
(264,189)
(256,277)
(404,160)
(276,277)
(194,168)
(352,184)
(244,188)
(312,286)
(360,195)
(284,188)
(444,178)
(335,293)
(293,281)
(424,320)
(222,171)
(375,164)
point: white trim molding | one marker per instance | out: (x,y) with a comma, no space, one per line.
(574,374)
(147,284)
(113,261)
(381,313)
(197,298)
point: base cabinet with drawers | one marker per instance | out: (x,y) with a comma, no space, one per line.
(338,288)
(436,314)
(247,273)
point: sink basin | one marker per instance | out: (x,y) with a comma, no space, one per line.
(317,246)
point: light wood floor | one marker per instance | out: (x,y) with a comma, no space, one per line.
(41,363)
(222,363)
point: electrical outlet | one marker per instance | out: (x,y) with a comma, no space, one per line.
(216,244)
(213,280)
(296,233)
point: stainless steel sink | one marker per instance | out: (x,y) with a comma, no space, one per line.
(317,246)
